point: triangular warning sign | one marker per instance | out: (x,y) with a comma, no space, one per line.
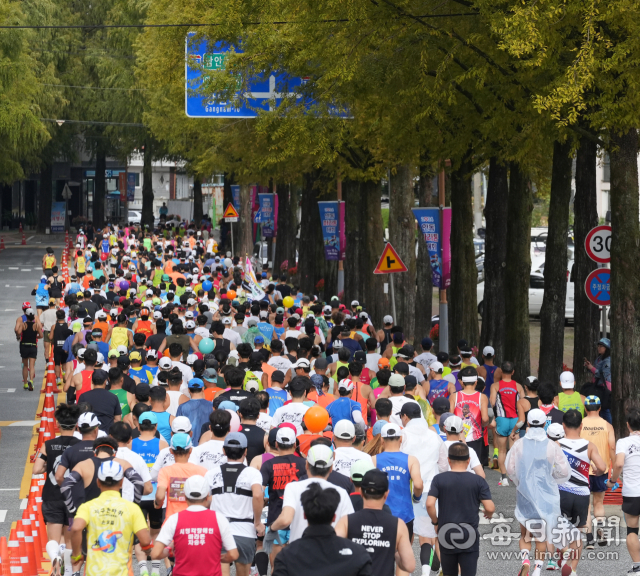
(389,262)
(231,212)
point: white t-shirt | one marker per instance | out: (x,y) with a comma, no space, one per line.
(202,331)
(281,363)
(169,529)
(292,334)
(209,454)
(174,401)
(372,361)
(291,498)
(293,413)
(426,358)
(233,505)
(164,458)
(138,464)
(397,403)
(187,373)
(264,421)
(232,336)
(343,459)
(413,371)
(630,447)
(443,458)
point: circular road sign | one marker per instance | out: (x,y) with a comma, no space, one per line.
(598,244)
(598,287)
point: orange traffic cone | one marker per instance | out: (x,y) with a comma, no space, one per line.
(24,238)
(14,553)
(42,531)
(50,383)
(1,242)
(5,568)
(32,568)
(22,549)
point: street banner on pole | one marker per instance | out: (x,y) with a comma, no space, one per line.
(268,214)
(439,254)
(57,217)
(333,233)
(235,193)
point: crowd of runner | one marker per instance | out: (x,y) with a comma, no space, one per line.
(215,415)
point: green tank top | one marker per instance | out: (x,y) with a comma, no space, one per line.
(157,277)
(147,244)
(570,402)
(340,364)
(122,398)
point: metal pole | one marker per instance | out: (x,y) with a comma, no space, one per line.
(340,262)
(604,322)
(443,338)
(233,251)
(393,298)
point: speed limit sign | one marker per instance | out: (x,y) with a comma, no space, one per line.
(598,244)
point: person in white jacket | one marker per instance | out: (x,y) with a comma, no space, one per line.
(537,466)
(419,440)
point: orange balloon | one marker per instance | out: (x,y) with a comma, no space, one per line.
(316,419)
(231,294)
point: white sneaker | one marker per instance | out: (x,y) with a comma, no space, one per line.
(503,482)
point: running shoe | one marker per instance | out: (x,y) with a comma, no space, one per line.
(566,569)
(30,384)
(144,572)
(503,482)
(589,545)
(552,565)
(600,537)
(26,386)
(524,569)
(634,570)
(495,462)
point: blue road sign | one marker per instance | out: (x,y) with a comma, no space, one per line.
(264,92)
(598,287)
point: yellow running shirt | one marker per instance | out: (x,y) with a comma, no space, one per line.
(111,523)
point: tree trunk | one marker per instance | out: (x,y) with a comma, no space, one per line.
(517,273)
(225,228)
(555,267)
(462,294)
(402,235)
(147,188)
(99,187)
(45,198)
(495,259)
(625,279)
(377,303)
(585,314)
(311,257)
(286,237)
(244,246)
(197,201)
(355,275)
(424,294)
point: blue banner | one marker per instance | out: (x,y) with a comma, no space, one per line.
(268,214)
(429,223)
(57,217)
(235,193)
(131,187)
(331,228)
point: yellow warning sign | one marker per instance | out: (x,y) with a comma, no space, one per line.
(389,262)
(231,214)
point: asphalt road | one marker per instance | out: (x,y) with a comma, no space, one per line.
(19,273)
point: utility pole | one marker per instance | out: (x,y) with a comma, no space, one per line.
(443,334)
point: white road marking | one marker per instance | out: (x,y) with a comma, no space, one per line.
(23,504)
(7,390)
(3,515)
(30,238)
(6,286)
(8,489)
(25,423)
(13,268)
(482,519)
(19,286)
(25,270)
(9,309)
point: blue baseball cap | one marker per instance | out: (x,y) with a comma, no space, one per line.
(148,417)
(377,427)
(228,405)
(258,340)
(592,400)
(195,383)
(181,440)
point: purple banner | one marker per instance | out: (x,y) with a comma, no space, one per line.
(268,214)
(333,234)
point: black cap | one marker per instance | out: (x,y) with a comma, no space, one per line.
(277,376)
(360,357)
(466,351)
(143,389)
(410,381)
(320,364)
(123,361)
(375,481)
(411,409)
(440,405)
(402,368)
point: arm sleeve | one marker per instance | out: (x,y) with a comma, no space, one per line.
(228,542)
(443,460)
(72,491)
(155,469)
(357,416)
(138,484)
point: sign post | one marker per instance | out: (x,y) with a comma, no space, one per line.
(597,286)
(231,215)
(390,263)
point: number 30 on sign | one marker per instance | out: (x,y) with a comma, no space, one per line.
(598,244)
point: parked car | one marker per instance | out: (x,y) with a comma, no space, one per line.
(134,217)
(536,293)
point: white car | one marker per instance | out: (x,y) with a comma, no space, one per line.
(135,216)
(536,292)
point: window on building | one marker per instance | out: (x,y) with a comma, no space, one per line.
(606,168)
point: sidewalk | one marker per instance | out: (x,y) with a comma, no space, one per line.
(13,239)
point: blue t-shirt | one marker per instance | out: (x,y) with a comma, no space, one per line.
(266,330)
(148,450)
(103,348)
(197,411)
(67,348)
(277,398)
(342,408)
